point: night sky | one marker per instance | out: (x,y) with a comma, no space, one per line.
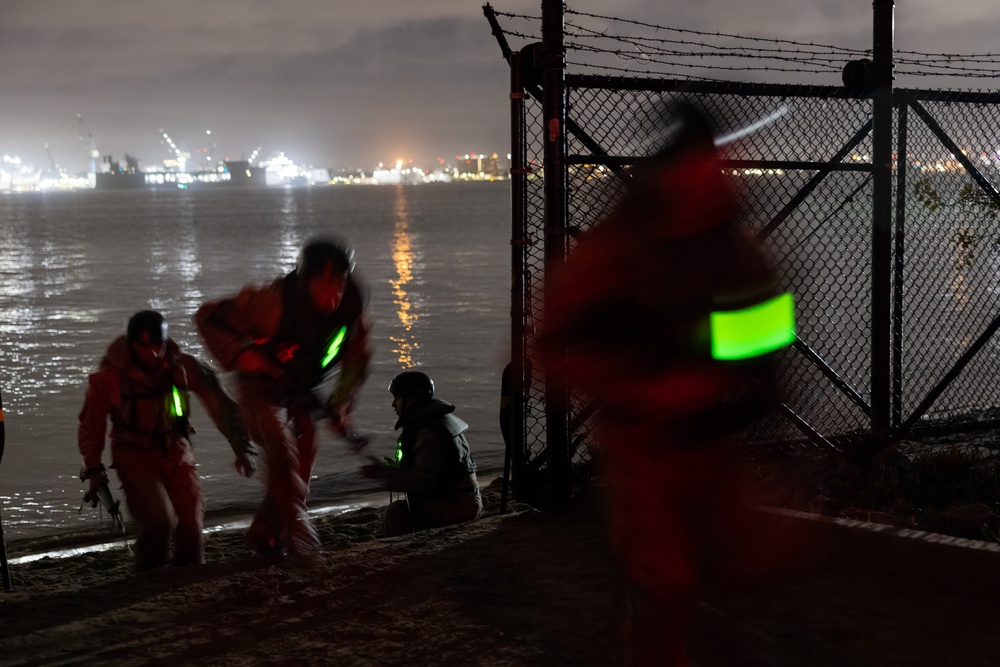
(341,83)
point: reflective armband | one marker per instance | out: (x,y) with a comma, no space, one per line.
(753,331)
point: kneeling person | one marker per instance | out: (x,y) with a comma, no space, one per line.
(434,466)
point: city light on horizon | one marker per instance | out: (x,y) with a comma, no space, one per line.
(181,169)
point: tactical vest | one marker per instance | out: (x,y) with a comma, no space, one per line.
(156,415)
(307,344)
(460,465)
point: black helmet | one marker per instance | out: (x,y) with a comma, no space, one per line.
(146,326)
(319,253)
(683,126)
(412,383)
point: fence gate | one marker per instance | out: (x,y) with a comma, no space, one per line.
(801,159)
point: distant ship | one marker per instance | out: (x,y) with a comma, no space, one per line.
(235,173)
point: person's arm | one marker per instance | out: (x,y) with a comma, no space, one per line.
(432,452)
(224,411)
(233,327)
(102,391)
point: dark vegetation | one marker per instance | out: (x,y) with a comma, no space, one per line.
(952,490)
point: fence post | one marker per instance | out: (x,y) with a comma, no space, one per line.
(899,246)
(558,458)
(882,143)
(513,412)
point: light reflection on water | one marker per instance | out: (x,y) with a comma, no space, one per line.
(404,258)
(75,266)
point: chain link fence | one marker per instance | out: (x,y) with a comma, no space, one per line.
(947,261)
(803,175)
(800,158)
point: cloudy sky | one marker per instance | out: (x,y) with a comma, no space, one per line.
(342,82)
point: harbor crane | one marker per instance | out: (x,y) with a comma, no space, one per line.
(180,153)
(52,163)
(207,153)
(88,139)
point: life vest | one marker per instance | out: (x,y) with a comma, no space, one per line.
(152,408)
(452,432)
(307,344)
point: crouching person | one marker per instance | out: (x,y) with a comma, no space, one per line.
(433,465)
(143,385)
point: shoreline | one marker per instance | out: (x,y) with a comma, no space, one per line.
(228,519)
(518,589)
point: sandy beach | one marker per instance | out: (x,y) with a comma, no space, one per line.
(521,588)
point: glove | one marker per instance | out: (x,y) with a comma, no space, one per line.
(374,469)
(246,464)
(355,441)
(336,418)
(97,478)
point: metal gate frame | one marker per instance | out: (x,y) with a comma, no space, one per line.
(544,463)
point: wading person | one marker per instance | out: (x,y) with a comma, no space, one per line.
(433,464)
(284,340)
(143,385)
(668,316)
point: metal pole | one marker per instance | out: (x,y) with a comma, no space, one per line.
(4,568)
(903,166)
(882,144)
(554,108)
(518,179)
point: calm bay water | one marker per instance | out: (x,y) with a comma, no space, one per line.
(75,266)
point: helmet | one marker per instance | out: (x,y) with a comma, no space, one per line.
(676,126)
(146,326)
(412,383)
(319,253)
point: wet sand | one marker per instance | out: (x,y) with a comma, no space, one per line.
(522,588)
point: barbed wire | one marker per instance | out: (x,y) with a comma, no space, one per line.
(771,54)
(701,33)
(819,66)
(659,57)
(638,73)
(649,42)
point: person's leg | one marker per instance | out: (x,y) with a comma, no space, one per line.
(652,488)
(305,442)
(447,511)
(397,519)
(276,510)
(180,481)
(303,538)
(148,504)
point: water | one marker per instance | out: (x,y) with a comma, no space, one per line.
(75,266)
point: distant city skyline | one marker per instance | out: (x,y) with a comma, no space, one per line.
(186,170)
(342,84)
(196,160)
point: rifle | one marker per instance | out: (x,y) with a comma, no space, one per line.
(305,398)
(105,499)
(4,568)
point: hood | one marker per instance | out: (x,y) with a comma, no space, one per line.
(429,411)
(119,357)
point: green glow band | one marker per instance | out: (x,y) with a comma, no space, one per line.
(334,348)
(399,451)
(753,331)
(178,403)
